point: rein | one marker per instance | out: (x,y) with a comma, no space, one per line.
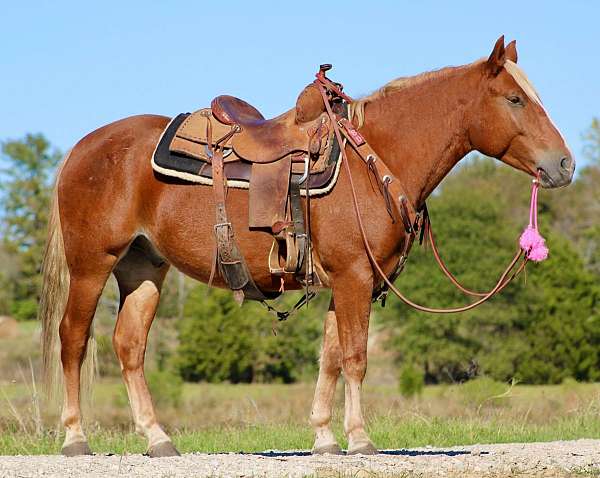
(393,194)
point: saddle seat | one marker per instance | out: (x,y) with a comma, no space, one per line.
(264,141)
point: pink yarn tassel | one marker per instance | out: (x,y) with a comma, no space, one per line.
(531,240)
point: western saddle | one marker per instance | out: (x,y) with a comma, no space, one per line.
(282,153)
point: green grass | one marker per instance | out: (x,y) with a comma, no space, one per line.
(385,432)
(250,418)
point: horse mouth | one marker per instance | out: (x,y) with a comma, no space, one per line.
(546,181)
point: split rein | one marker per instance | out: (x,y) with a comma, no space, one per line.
(532,245)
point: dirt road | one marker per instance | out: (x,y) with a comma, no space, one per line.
(561,458)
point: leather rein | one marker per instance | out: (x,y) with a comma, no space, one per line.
(414,221)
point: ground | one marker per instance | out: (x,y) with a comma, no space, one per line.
(551,459)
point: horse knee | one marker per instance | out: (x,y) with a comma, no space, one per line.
(331,360)
(355,365)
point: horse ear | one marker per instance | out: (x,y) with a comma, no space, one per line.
(511,51)
(498,57)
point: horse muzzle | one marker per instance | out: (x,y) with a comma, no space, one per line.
(556,169)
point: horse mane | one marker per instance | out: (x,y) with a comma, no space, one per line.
(357,107)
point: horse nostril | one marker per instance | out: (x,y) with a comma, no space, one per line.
(565,163)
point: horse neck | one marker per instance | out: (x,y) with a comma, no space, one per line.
(421,130)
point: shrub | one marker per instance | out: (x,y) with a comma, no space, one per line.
(165,387)
(411,381)
(221,341)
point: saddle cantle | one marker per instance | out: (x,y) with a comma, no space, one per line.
(278,160)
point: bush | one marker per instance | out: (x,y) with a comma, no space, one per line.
(25,309)
(411,381)
(221,341)
(540,329)
(165,387)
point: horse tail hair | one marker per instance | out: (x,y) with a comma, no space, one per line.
(52,304)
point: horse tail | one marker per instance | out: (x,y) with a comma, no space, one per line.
(52,304)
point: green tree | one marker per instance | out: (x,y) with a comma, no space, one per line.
(576,211)
(221,341)
(591,137)
(542,328)
(28,166)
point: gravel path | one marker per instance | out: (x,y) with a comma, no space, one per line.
(561,458)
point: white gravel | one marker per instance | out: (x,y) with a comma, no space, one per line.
(560,458)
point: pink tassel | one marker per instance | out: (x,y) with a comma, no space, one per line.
(531,240)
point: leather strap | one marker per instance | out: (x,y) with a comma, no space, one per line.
(298,221)
(231,263)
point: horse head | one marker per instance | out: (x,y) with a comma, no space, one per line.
(512,124)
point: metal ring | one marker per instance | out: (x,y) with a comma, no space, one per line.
(370,157)
(387,178)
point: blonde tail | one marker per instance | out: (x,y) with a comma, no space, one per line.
(52,304)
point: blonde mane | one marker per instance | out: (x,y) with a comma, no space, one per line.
(357,108)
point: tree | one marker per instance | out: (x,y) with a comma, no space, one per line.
(541,329)
(591,137)
(221,341)
(576,211)
(29,164)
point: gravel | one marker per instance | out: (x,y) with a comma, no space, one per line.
(559,458)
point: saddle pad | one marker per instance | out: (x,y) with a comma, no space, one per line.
(184,167)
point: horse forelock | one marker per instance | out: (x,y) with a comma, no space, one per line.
(520,77)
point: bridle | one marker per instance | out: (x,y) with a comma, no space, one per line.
(415,221)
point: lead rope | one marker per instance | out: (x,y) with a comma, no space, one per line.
(502,282)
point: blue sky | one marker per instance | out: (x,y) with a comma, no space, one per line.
(67,68)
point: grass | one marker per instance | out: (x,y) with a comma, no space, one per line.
(249,418)
(232,418)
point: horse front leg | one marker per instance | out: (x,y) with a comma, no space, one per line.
(330,367)
(352,296)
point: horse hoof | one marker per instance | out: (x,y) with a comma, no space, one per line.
(333,449)
(162,450)
(364,449)
(77,449)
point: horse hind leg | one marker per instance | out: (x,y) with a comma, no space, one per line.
(74,331)
(140,275)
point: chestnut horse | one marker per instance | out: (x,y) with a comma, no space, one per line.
(113,214)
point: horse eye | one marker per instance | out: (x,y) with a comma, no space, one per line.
(515,100)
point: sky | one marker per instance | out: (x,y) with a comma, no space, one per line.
(69,67)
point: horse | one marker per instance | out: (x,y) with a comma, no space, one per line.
(112,214)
